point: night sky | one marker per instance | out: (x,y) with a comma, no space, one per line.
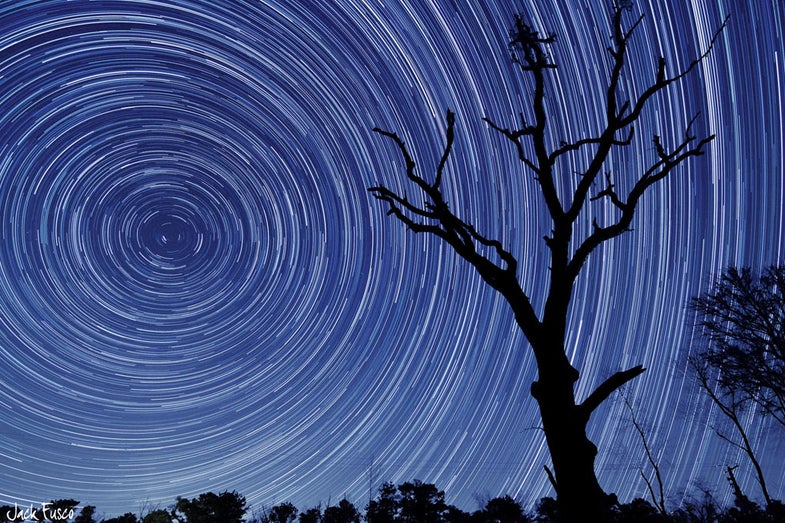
(197,292)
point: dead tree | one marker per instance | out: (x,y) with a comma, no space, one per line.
(658,498)
(564,419)
(732,405)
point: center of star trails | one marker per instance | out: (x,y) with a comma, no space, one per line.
(170,238)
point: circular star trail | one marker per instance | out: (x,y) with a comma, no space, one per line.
(197,292)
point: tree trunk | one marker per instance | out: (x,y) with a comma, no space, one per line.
(579,495)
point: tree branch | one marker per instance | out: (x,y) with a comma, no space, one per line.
(607,139)
(659,170)
(514,137)
(619,118)
(661,81)
(551,478)
(659,501)
(610,193)
(526,40)
(574,146)
(607,387)
(730,410)
(435,217)
(447,148)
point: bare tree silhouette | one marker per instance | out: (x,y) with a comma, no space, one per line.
(564,419)
(732,405)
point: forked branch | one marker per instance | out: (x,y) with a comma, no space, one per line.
(435,212)
(730,407)
(659,498)
(434,215)
(665,163)
(662,81)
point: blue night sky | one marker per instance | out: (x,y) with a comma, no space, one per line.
(197,292)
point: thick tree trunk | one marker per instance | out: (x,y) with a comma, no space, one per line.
(580,497)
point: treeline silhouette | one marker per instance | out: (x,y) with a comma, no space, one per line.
(409,502)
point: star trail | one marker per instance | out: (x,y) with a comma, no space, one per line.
(198,293)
